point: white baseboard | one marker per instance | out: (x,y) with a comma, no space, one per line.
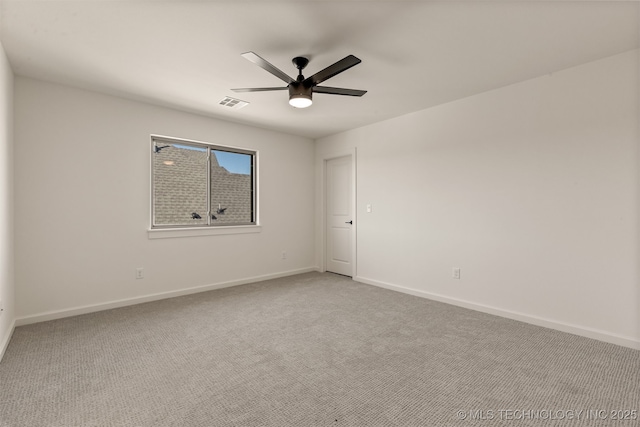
(5,340)
(534,320)
(59,314)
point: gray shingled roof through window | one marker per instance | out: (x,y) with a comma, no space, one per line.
(180,189)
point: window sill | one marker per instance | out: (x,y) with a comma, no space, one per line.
(167,233)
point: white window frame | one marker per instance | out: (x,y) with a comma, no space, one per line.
(170,231)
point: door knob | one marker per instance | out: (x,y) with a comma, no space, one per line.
(348,222)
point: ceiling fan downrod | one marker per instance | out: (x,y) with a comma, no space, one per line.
(300,62)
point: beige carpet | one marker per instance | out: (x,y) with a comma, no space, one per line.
(310,350)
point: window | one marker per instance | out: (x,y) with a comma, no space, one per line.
(195,184)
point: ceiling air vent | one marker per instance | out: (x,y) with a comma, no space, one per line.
(233,103)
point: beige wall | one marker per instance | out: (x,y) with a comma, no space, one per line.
(532,190)
(6,202)
(82,171)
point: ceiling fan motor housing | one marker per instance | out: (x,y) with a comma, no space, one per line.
(300,94)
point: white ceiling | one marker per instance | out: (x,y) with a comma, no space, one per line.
(415,54)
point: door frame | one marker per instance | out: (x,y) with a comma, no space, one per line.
(323,159)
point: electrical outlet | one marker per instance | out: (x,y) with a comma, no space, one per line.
(139,273)
(284,255)
(456,273)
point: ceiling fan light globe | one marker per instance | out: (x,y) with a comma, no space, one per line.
(300,101)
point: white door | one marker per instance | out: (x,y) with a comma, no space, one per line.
(339,216)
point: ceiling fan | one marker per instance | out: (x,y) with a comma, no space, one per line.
(301,88)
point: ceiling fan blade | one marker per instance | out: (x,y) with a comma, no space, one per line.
(259,61)
(340,66)
(259,89)
(338,91)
